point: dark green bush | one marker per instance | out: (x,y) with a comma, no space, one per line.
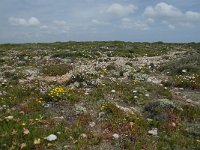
(54,70)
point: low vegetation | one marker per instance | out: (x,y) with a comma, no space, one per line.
(100,95)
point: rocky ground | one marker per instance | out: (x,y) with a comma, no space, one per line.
(100,95)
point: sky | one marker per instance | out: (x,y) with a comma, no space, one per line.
(24,21)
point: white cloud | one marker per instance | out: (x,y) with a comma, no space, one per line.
(97,22)
(128,23)
(44,27)
(60,23)
(193,16)
(168,24)
(60,26)
(150,20)
(163,10)
(172,16)
(31,22)
(186,24)
(121,10)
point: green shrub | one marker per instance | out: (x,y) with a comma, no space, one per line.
(190,64)
(111,109)
(54,70)
(184,81)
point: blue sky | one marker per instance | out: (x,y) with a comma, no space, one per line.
(92,20)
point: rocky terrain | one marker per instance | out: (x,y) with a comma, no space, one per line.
(100,95)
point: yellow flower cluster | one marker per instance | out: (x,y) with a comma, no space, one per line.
(104,106)
(56,92)
(135,81)
(39,100)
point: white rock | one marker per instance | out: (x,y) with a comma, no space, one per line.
(113,91)
(9,118)
(101,115)
(92,124)
(101,76)
(189,100)
(173,124)
(46,105)
(115,136)
(153,132)
(135,91)
(149,120)
(51,137)
(4,106)
(83,136)
(184,70)
(80,109)
(76,84)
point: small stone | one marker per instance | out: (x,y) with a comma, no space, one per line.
(86,93)
(101,76)
(149,120)
(58,119)
(67,147)
(51,137)
(9,118)
(189,100)
(80,109)
(135,91)
(178,93)
(184,70)
(101,115)
(83,136)
(173,124)
(76,84)
(153,132)
(22,112)
(46,105)
(115,136)
(92,124)
(185,96)
(113,91)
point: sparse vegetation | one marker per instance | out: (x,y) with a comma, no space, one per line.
(100,95)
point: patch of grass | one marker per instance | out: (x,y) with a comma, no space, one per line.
(141,93)
(189,63)
(17,95)
(111,109)
(76,54)
(184,81)
(57,70)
